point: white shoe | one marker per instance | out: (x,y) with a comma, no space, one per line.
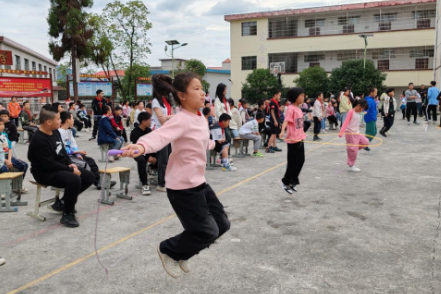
(408,123)
(184,266)
(354,169)
(229,168)
(161,189)
(146,190)
(171,266)
(3,196)
(2,261)
(23,190)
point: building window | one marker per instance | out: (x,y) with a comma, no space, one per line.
(423,23)
(290,60)
(383,64)
(383,54)
(421,53)
(26,65)
(422,63)
(312,64)
(385,17)
(45,68)
(348,29)
(249,28)
(314,31)
(385,26)
(249,62)
(54,75)
(34,67)
(347,55)
(311,23)
(17,62)
(314,57)
(351,20)
(282,27)
(424,14)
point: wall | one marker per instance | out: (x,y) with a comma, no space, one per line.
(437,37)
(216,78)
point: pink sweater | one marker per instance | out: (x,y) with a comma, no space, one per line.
(188,134)
(352,123)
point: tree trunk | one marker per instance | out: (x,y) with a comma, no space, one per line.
(74,73)
(119,80)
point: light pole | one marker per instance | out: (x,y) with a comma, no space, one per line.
(172,55)
(365,36)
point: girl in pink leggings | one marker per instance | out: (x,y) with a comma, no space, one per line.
(351,129)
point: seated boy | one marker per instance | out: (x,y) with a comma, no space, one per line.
(145,120)
(117,124)
(73,150)
(106,135)
(51,166)
(250,131)
(82,115)
(10,127)
(207,114)
(11,163)
(77,122)
(222,146)
(27,120)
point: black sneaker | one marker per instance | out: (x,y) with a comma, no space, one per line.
(93,138)
(69,220)
(277,149)
(317,138)
(58,207)
(416,123)
(293,187)
(367,149)
(383,134)
(284,187)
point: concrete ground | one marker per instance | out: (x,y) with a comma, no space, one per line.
(371,232)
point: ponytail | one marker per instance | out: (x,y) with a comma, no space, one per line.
(162,87)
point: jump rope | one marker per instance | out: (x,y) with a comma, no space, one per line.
(112,152)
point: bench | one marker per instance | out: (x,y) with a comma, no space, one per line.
(240,148)
(211,160)
(104,148)
(38,204)
(124,178)
(8,183)
(21,137)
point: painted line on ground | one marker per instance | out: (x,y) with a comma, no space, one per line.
(134,234)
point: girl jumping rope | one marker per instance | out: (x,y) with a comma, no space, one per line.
(351,128)
(294,138)
(195,203)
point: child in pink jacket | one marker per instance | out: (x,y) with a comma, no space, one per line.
(195,203)
(351,129)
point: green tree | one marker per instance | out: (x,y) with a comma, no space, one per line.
(196,66)
(69,32)
(351,74)
(137,71)
(127,27)
(259,84)
(312,80)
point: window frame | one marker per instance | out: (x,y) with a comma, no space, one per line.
(425,63)
(250,28)
(383,64)
(252,64)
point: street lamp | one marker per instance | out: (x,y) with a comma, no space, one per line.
(365,36)
(171,54)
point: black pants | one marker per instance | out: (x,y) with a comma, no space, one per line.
(203,218)
(411,107)
(142,163)
(31,131)
(296,159)
(93,168)
(388,122)
(317,126)
(404,112)
(87,123)
(96,123)
(306,125)
(333,120)
(163,155)
(14,120)
(432,109)
(73,185)
(78,125)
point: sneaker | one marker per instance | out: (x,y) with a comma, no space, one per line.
(284,187)
(416,123)
(383,134)
(23,190)
(146,190)
(57,207)
(161,189)
(230,160)
(408,123)
(93,138)
(257,154)
(69,220)
(270,150)
(317,138)
(367,149)
(277,149)
(354,169)
(3,197)
(170,265)
(183,264)
(228,167)
(293,187)
(2,261)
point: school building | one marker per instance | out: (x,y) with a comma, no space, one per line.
(401,45)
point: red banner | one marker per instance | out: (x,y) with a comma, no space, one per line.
(145,79)
(25,87)
(23,72)
(94,76)
(5,57)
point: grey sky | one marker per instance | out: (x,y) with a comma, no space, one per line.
(200,23)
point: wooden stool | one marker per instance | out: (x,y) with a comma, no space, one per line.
(104,148)
(237,144)
(9,182)
(38,204)
(211,154)
(124,178)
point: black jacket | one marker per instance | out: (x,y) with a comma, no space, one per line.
(99,107)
